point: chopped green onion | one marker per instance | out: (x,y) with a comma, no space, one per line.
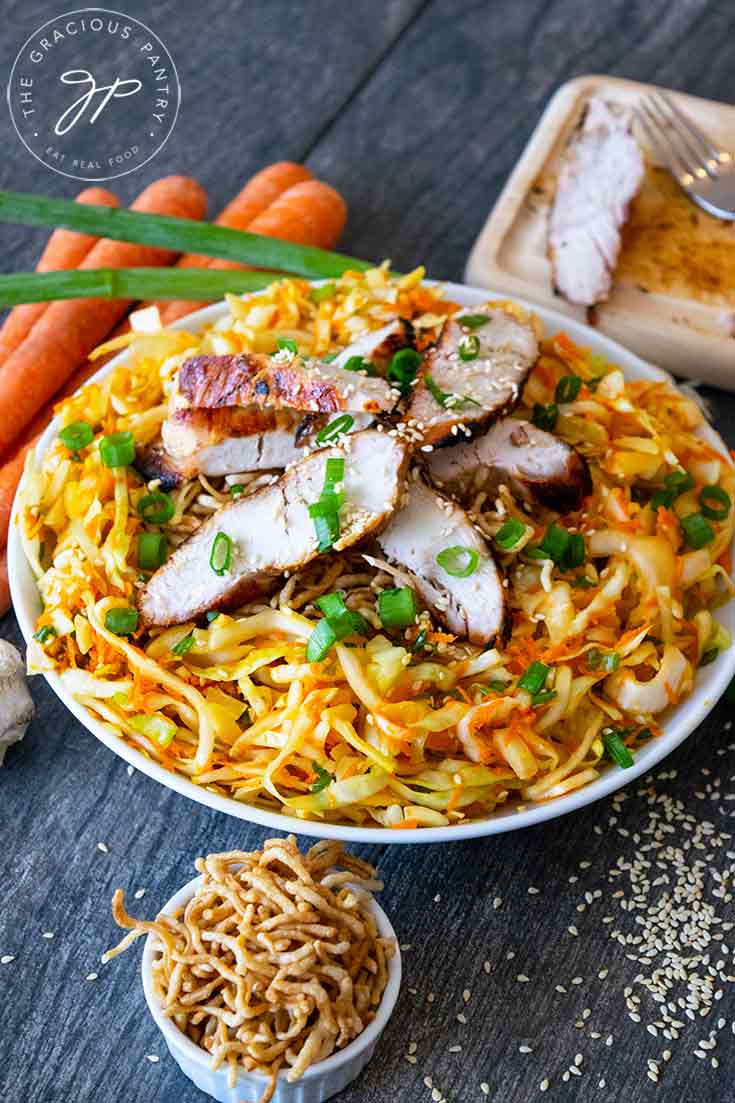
(43,635)
(555,543)
(397,607)
(697,531)
(439,396)
(76,435)
(458,561)
(473,321)
(321,640)
(403,367)
(329,357)
(117,450)
(220,557)
(709,655)
(509,534)
(576,551)
(181,235)
(420,642)
(567,388)
(616,748)
(237,489)
(320,294)
(534,678)
(359,363)
(335,429)
(212,615)
(326,528)
(152,550)
(675,483)
(469,347)
(332,605)
(156,508)
(606,661)
(184,645)
(543,698)
(334,472)
(544,417)
(581,582)
(715,503)
(158,727)
(325,511)
(122,621)
(287,343)
(323,778)
(497,686)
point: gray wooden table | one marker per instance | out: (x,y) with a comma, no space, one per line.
(416,110)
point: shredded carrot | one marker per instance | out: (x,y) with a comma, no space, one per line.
(409,823)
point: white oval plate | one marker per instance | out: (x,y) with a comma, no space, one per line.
(710,684)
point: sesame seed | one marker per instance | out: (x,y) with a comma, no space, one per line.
(91,976)
(533,891)
(485,1088)
(525,1049)
(522,978)
(139,894)
(461,1018)
(103,847)
(544,1085)
(152,1058)
(47,934)
(455,1049)
(6,959)
(497,902)
(466,995)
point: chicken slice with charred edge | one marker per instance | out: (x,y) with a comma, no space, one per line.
(538,467)
(278,382)
(425,525)
(601,171)
(261,536)
(474,374)
(234,439)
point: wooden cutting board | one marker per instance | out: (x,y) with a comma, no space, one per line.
(673,298)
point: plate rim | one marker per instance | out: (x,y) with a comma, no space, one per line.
(685,720)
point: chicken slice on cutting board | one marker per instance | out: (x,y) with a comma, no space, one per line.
(601,171)
(280,381)
(271,531)
(538,467)
(426,524)
(474,374)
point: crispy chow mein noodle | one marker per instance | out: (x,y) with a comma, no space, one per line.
(276,960)
(408,727)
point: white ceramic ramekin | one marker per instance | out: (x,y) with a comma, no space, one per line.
(320,1082)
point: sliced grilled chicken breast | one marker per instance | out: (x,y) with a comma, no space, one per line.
(538,467)
(271,531)
(601,171)
(426,524)
(378,345)
(231,438)
(277,382)
(474,374)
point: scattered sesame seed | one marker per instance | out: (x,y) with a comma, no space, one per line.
(103,847)
(152,1057)
(47,934)
(522,978)
(533,891)
(544,1085)
(466,995)
(525,1049)
(461,1018)
(455,1049)
(485,1088)
(497,902)
(130,771)
(6,959)
(91,976)
(139,894)
(437,898)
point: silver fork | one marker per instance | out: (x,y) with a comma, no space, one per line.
(706,173)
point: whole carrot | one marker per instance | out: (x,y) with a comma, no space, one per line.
(67,331)
(309,213)
(65,249)
(260,191)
